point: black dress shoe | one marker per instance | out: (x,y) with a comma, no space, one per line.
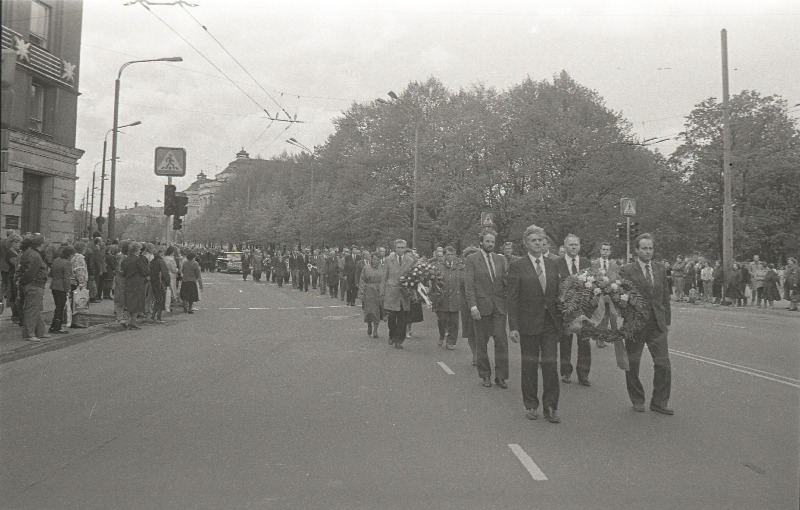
(639,408)
(501,383)
(532,414)
(398,345)
(487,382)
(566,379)
(662,409)
(551,415)
(584,382)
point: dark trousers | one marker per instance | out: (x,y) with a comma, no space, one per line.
(333,288)
(539,351)
(314,279)
(352,289)
(493,325)
(397,326)
(656,341)
(448,326)
(107,287)
(256,275)
(305,280)
(584,363)
(343,287)
(323,284)
(60,298)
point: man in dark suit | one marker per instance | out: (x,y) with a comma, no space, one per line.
(570,264)
(650,279)
(610,266)
(535,322)
(485,289)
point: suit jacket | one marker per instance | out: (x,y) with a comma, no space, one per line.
(480,290)
(613,267)
(563,268)
(393,297)
(656,295)
(528,306)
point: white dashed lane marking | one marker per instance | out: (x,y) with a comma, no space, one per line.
(447,369)
(788,381)
(528,463)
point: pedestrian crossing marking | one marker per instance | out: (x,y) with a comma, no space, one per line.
(447,369)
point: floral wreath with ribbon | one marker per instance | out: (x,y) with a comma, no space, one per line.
(605,307)
(422,282)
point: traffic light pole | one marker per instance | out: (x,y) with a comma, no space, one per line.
(628,238)
(166,223)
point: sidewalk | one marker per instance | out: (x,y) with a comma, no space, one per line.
(12,346)
(780,309)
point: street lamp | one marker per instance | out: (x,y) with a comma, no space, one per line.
(293,141)
(100,220)
(115,129)
(416,151)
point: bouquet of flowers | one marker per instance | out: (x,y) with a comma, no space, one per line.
(423,281)
(603,307)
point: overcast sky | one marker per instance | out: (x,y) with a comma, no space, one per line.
(651,60)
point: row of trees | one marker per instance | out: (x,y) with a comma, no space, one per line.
(544,152)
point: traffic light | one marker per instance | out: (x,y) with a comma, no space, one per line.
(634,229)
(177,223)
(169,199)
(181,203)
(621,231)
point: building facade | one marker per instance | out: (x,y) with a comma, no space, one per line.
(41,42)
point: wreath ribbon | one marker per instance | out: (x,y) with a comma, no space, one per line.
(423,292)
(615,321)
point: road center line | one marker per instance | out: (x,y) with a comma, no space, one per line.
(258,308)
(745,370)
(314,307)
(728,325)
(337,306)
(445,368)
(528,463)
(288,308)
(229,308)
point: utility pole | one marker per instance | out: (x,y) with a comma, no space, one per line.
(91,211)
(727,207)
(414,220)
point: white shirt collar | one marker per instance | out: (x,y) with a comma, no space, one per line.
(540,258)
(644,264)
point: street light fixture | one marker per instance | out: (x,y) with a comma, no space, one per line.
(115,129)
(293,141)
(416,151)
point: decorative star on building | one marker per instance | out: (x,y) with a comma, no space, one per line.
(22,49)
(69,71)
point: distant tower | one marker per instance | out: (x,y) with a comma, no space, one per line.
(242,154)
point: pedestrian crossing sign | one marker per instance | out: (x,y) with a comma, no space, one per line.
(171,161)
(487,219)
(628,206)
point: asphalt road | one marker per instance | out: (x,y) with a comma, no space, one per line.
(272,398)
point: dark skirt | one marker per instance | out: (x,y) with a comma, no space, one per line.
(189,292)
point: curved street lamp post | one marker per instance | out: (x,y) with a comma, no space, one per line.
(115,129)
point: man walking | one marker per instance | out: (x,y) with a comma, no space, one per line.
(571,264)
(485,287)
(535,323)
(395,302)
(32,280)
(650,279)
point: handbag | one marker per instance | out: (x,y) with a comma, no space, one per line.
(748,292)
(81,300)
(68,313)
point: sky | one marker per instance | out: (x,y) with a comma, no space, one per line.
(652,61)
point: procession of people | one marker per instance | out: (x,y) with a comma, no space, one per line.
(484,295)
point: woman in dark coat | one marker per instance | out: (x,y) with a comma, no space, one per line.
(735,289)
(159,282)
(135,271)
(190,282)
(771,292)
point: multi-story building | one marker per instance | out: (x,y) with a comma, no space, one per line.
(41,56)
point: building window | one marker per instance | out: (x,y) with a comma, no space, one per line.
(40,23)
(36,102)
(32,190)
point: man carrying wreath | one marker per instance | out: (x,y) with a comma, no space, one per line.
(395,301)
(535,322)
(650,280)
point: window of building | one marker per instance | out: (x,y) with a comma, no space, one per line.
(36,103)
(32,188)
(40,23)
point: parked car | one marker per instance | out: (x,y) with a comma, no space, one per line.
(230,262)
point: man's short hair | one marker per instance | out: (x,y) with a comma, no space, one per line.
(644,236)
(399,241)
(449,249)
(606,243)
(537,230)
(485,232)
(571,236)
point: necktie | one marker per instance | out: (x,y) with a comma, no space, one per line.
(541,275)
(491,266)
(604,266)
(574,267)
(648,274)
